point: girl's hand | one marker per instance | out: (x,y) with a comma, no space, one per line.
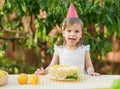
(41,71)
(93,74)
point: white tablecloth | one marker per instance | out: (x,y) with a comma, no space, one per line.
(87,82)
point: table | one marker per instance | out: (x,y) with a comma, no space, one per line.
(87,82)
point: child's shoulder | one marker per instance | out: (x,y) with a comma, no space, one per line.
(86,47)
(58,47)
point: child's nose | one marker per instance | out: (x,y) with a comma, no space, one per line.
(72,33)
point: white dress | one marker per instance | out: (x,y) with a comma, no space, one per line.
(72,57)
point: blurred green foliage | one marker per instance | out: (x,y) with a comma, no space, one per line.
(96,13)
(14,66)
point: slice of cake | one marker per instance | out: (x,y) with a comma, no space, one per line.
(65,72)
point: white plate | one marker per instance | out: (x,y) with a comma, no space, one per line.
(61,79)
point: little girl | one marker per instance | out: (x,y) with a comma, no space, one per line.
(72,52)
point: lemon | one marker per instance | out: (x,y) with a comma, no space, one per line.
(116,84)
(61,73)
(57,71)
(72,71)
(23,78)
(52,72)
(2,73)
(34,79)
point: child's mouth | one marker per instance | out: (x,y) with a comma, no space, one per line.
(72,39)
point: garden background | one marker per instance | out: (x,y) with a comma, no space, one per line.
(29,29)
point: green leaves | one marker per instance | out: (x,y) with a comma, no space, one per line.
(2,53)
(24,8)
(5,46)
(74,76)
(109,18)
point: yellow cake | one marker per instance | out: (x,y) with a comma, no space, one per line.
(65,72)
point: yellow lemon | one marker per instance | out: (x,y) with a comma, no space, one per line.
(52,72)
(2,73)
(23,78)
(61,73)
(34,79)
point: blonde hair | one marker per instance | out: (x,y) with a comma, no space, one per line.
(69,21)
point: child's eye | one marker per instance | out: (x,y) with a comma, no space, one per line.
(68,30)
(76,31)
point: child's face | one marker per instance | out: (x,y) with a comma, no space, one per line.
(72,34)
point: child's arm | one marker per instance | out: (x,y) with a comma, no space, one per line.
(43,71)
(89,65)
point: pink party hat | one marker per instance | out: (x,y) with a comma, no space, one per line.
(72,12)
